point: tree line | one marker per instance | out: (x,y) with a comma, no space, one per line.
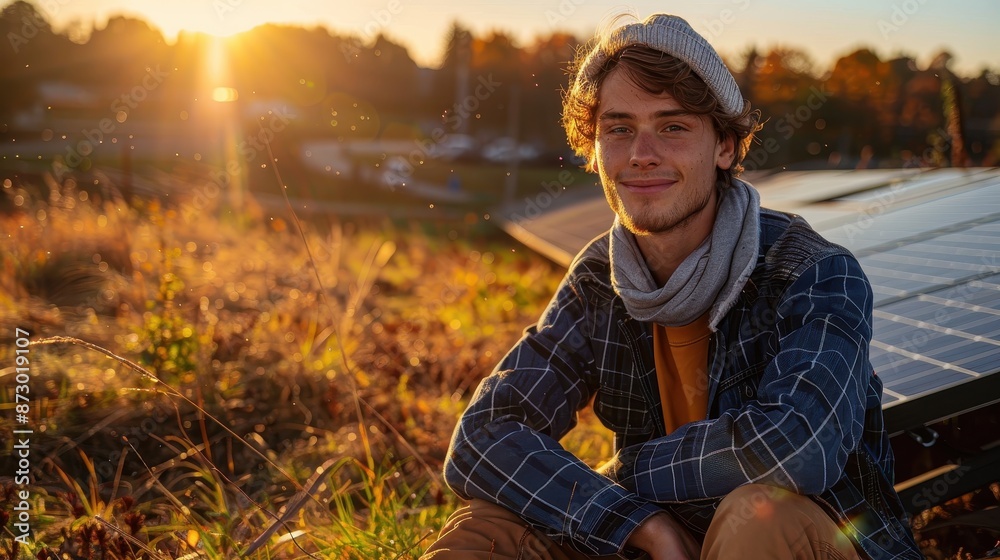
(864,111)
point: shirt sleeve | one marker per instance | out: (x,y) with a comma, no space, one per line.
(506,448)
(808,414)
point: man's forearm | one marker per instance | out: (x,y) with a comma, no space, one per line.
(530,474)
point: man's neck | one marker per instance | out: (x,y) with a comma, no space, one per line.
(665,251)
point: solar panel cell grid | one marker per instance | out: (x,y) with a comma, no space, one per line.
(984,363)
(889,332)
(986,287)
(959,319)
(933,249)
(885,360)
(884,293)
(944,263)
(875,227)
(891,288)
(934,379)
(897,374)
(939,276)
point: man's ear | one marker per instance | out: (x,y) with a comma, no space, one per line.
(725,151)
(591,165)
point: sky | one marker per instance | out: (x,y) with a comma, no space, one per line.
(825,29)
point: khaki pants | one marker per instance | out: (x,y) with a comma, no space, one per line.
(754,521)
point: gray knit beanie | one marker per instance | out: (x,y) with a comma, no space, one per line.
(671,35)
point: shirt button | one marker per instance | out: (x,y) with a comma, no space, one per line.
(748,390)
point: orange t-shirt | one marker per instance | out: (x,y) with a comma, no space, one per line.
(681,355)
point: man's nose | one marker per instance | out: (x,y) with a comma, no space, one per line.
(644,152)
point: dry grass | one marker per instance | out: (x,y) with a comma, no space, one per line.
(238,395)
(249,375)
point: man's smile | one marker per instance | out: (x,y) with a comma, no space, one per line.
(647,186)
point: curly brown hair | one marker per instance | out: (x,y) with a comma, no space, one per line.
(655,72)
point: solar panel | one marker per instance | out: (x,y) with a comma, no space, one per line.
(933,378)
(934,267)
(929,241)
(901,185)
(882,223)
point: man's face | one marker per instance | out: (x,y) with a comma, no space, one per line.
(656,161)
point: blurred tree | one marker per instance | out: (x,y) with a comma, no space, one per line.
(863,92)
(451,83)
(389,78)
(920,115)
(859,77)
(982,99)
(271,62)
(33,54)
(546,62)
(498,61)
(117,56)
(784,75)
(746,75)
(782,84)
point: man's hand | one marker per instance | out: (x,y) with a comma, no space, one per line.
(664,539)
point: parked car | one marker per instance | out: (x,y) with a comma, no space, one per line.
(453,146)
(506,149)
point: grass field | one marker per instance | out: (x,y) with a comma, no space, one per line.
(205,384)
(239,389)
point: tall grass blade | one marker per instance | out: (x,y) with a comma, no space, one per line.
(312,485)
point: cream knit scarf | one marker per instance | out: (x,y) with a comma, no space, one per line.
(710,278)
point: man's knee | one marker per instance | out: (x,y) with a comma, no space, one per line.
(754,504)
(481,530)
(485,531)
(759,515)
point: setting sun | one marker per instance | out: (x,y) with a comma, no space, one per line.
(225,94)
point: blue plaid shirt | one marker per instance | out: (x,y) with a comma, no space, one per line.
(792,400)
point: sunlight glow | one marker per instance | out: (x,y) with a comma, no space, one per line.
(225,94)
(221,18)
(221,120)
(216,59)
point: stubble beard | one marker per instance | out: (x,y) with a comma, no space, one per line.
(647,220)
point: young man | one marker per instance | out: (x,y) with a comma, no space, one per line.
(725,345)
